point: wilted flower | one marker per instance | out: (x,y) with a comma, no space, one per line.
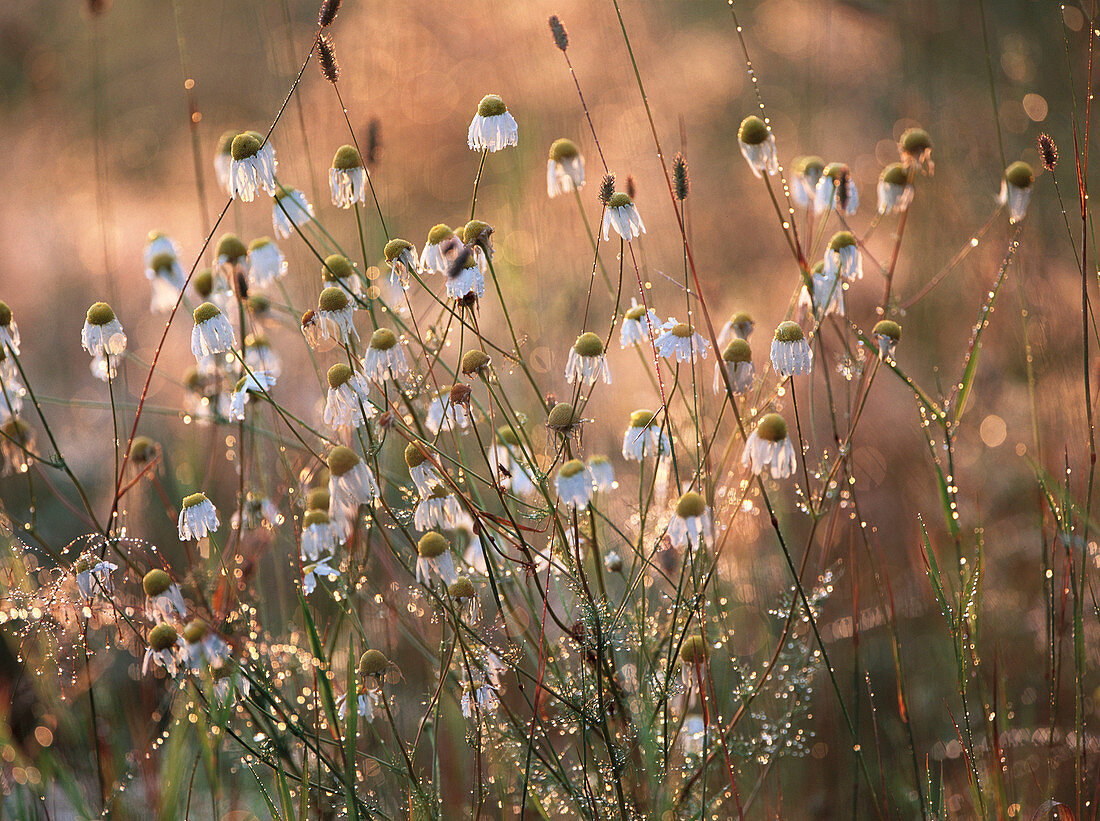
(93,576)
(894,191)
(102,334)
(915,147)
(259,356)
(289,208)
(768,447)
(602,472)
(466,277)
(223,159)
(691,522)
(574,483)
(163,599)
(493,127)
(347,401)
(335,314)
(212,332)
(402,259)
(1016,190)
(254,382)
(805,175)
(564,168)
(365,703)
(622,215)
(433,555)
(319,535)
(757,145)
(163,641)
(836,190)
(842,257)
(639,325)
(421,470)
(791,354)
(266,262)
(252,167)
(198,518)
(351,483)
(508,468)
(482,694)
(435,258)
(587,362)
(887,333)
(347,177)
(680,342)
(645,437)
(736,359)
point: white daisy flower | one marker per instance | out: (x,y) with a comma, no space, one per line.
(757,145)
(351,483)
(203,647)
(587,362)
(915,148)
(223,159)
(433,557)
(252,167)
(440,508)
(228,678)
(493,127)
(289,208)
(466,277)
(163,643)
(894,191)
(163,600)
(622,215)
(258,512)
(691,524)
(212,333)
(338,271)
(103,367)
(602,472)
(9,331)
(385,357)
(736,359)
(319,535)
(347,402)
(317,570)
(843,257)
(791,354)
(102,333)
(564,168)
(93,577)
(260,356)
(1016,190)
(11,396)
(739,326)
(462,590)
(335,314)
(198,518)
(254,382)
(574,483)
(768,447)
(402,259)
(836,191)
(421,470)
(645,437)
(166,279)
(678,341)
(805,175)
(445,415)
(158,243)
(347,177)
(828,294)
(887,333)
(438,250)
(266,262)
(365,703)
(639,325)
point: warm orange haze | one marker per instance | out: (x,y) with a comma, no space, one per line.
(660,410)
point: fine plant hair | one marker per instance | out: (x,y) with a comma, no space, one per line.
(388,548)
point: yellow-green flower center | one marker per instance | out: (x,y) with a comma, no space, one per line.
(244,146)
(491,106)
(332,299)
(789,332)
(772,428)
(341,459)
(339,374)
(431,545)
(752,131)
(100,314)
(589,345)
(205,312)
(155,582)
(383,339)
(347,157)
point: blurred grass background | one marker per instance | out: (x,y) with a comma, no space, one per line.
(841,80)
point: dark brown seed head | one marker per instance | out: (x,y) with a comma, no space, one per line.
(374,142)
(326,58)
(631,188)
(842,193)
(328,12)
(1048,151)
(607,188)
(561,37)
(680,182)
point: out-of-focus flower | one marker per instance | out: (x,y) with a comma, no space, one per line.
(894,191)
(836,191)
(564,168)
(691,522)
(433,557)
(163,643)
(736,359)
(757,145)
(805,175)
(266,262)
(351,483)
(574,483)
(768,447)
(289,208)
(915,147)
(255,382)
(1016,190)
(639,325)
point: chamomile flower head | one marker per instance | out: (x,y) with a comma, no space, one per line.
(693,654)
(337,271)
(156,244)
(479,236)
(230,257)
(887,334)
(252,167)
(602,472)
(475,362)
(289,208)
(319,535)
(640,324)
(466,278)
(574,483)
(757,145)
(166,279)
(439,508)
(260,356)
(736,359)
(212,333)
(9,331)
(509,466)
(421,469)
(93,577)
(915,148)
(266,262)
(836,191)
(198,518)
(254,382)
(163,600)
(564,168)
(805,175)
(102,334)
(335,314)
(563,419)
(587,361)
(462,590)
(894,191)
(401,257)
(347,402)
(827,296)
(351,483)
(679,341)
(769,448)
(163,644)
(791,354)
(433,557)
(435,258)
(347,177)
(203,648)
(691,522)
(444,414)
(1016,187)
(645,436)
(842,257)
(622,215)
(373,664)
(493,127)
(320,569)
(385,357)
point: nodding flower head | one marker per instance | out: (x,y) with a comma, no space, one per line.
(1016,190)
(395,247)
(789,332)
(493,127)
(336,267)
(432,545)
(915,147)
(491,105)
(332,299)
(373,663)
(562,418)
(772,428)
(341,459)
(563,149)
(691,504)
(478,233)
(694,650)
(462,588)
(1020,175)
(339,374)
(346,158)
(244,146)
(474,362)
(383,339)
(887,333)
(737,350)
(588,345)
(155,582)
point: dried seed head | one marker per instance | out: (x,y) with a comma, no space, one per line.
(752,130)
(462,588)
(155,582)
(163,636)
(694,650)
(460,394)
(691,504)
(1048,151)
(607,188)
(561,36)
(631,186)
(772,428)
(474,361)
(326,59)
(329,10)
(341,459)
(789,332)
(431,545)
(100,314)
(373,663)
(680,182)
